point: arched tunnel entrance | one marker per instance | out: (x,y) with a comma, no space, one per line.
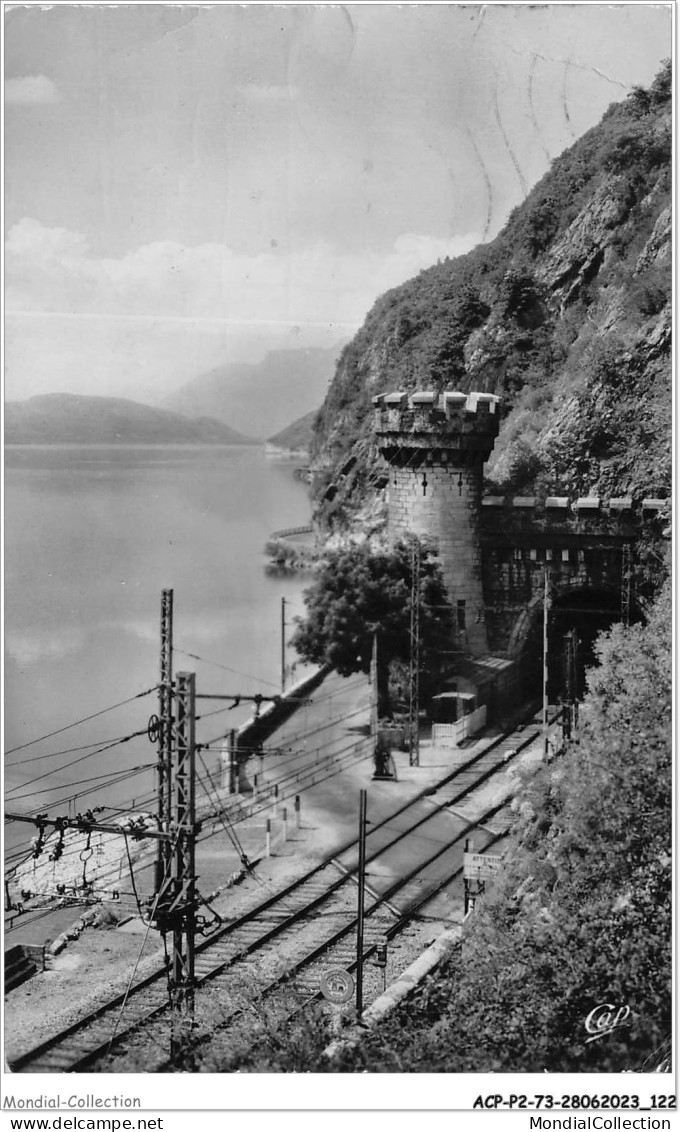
(575,620)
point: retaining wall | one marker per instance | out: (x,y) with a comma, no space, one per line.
(399,990)
(260,726)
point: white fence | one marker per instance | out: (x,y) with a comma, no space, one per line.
(451,734)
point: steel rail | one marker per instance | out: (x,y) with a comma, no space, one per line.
(23,1063)
(318,952)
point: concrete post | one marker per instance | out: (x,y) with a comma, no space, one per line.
(268,839)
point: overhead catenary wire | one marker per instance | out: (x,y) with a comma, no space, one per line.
(261,749)
(293,779)
(109,745)
(124,808)
(20,855)
(269,683)
(228,828)
(104,744)
(285,753)
(127,738)
(68,856)
(117,778)
(65,751)
(132,873)
(217,664)
(85,719)
(294,739)
(75,762)
(223,816)
(141,952)
(20,851)
(108,779)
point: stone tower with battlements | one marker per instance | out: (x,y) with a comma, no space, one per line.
(436,445)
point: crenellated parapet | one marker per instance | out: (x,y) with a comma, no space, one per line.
(495,551)
(585,515)
(435,427)
(499,555)
(581,544)
(435,445)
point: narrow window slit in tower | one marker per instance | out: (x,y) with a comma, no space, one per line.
(424,483)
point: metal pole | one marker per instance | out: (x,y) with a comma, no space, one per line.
(625,584)
(573,676)
(165,736)
(468,848)
(360,910)
(414,698)
(233,772)
(283,644)
(374,692)
(575,680)
(546,609)
(570,680)
(183,909)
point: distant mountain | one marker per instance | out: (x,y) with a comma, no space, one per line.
(259,399)
(297,437)
(66,418)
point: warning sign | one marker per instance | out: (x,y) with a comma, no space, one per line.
(337,985)
(480,866)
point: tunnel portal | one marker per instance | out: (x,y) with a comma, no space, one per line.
(581,615)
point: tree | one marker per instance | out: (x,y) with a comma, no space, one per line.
(582,913)
(359,593)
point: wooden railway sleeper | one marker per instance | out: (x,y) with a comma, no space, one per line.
(34,1056)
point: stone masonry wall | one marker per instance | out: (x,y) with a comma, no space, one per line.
(442,502)
(436,446)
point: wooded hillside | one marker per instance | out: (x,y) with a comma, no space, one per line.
(566,315)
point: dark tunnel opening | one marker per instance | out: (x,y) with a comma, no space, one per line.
(585,612)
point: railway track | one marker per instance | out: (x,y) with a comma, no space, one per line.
(248,951)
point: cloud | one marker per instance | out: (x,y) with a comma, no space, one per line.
(54,270)
(80,322)
(28,649)
(31,90)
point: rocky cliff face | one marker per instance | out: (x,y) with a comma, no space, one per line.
(566,316)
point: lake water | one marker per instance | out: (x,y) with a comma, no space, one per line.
(92,536)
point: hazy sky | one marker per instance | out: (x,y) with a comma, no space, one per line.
(190,185)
